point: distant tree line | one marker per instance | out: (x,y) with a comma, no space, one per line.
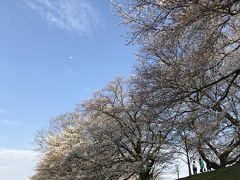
(183,98)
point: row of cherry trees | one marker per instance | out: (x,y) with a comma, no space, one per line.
(113,135)
(182,99)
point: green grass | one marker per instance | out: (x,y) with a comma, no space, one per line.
(229,173)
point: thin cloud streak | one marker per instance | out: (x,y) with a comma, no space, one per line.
(76,16)
(3,111)
(10,122)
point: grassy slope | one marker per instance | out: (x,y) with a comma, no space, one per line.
(229,173)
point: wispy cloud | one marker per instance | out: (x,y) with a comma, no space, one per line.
(4,111)
(76,16)
(16,164)
(10,122)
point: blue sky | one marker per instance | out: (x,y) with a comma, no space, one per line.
(52,56)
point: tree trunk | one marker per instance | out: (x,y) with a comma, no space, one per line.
(145,176)
(189,164)
(188,160)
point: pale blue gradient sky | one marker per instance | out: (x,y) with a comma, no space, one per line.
(51,59)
